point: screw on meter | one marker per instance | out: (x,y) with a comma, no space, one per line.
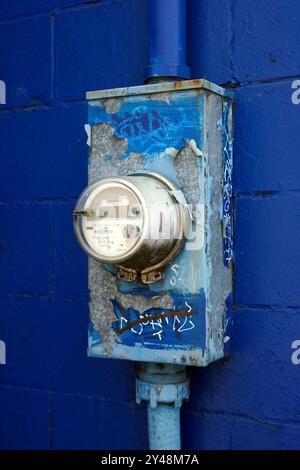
(134,222)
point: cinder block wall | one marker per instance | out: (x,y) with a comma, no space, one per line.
(51,394)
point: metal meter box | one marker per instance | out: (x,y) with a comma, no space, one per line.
(179,134)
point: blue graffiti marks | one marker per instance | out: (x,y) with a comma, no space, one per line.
(180,327)
(145,127)
(152,126)
(227,190)
(141,122)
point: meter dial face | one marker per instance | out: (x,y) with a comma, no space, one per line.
(115,221)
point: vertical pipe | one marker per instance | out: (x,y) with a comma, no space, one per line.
(164,387)
(167,40)
(164,427)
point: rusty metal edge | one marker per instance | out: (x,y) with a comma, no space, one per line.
(159,88)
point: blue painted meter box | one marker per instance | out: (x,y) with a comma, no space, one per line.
(182,131)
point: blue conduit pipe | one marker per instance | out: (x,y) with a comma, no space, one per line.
(164,427)
(164,387)
(167,40)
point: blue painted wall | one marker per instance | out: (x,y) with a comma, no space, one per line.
(51,394)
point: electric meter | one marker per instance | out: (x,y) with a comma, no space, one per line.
(135,222)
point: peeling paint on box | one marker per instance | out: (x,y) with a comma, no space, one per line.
(112,105)
(87,129)
(162,96)
(192,144)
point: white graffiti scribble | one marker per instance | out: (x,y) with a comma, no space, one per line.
(227,193)
(156,327)
(175,268)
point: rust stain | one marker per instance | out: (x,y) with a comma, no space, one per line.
(179,85)
(151,318)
